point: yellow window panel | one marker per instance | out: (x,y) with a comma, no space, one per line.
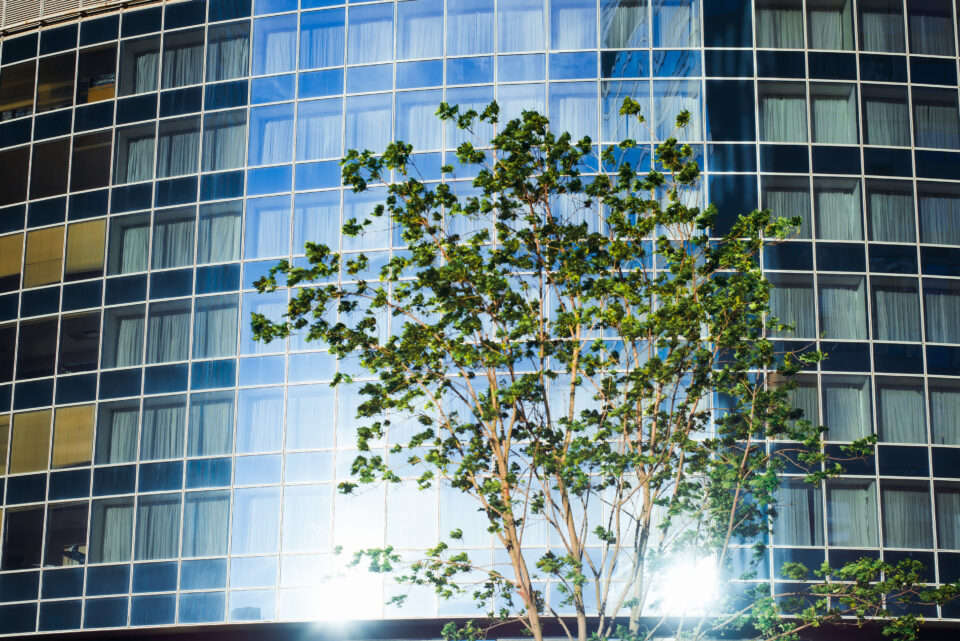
(11,257)
(72,436)
(30,442)
(85,250)
(44,257)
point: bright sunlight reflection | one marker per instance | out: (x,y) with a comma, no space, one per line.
(688,586)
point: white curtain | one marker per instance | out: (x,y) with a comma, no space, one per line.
(573,25)
(838,212)
(906,516)
(937,124)
(948,517)
(469,27)
(945,414)
(623,24)
(255,524)
(419,22)
(520,25)
(146,68)
(322,39)
(831,27)
(897,312)
(320,129)
(215,327)
(224,141)
(881,28)
(931,33)
(368,122)
(173,239)
(852,514)
(158,527)
(804,397)
(218,237)
(133,243)
(117,434)
(416,123)
(669,99)
(228,52)
(843,312)
(274,128)
(125,346)
(940,219)
(163,421)
(279,46)
(111,531)
(316,218)
(886,122)
(676,23)
(891,216)
(902,416)
(783,118)
(835,118)
(799,518)
(793,304)
(846,408)
(177,152)
(573,108)
(139,161)
(942,313)
(780,25)
(370,35)
(260,420)
(206,518)
(183,66)
(788,202)
(211,424)
(168,334)
(267,230)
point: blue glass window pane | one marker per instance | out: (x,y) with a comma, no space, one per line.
(573,24)
(274,44)
(310,410)
(308,466)
(312,366)
(370,36)
(211,423)
(260,420)
(205,607)
(623,24)
(211,472)
(321,83)
(573,108)
(670,97)
(359,206)
(224,135)
(463,71)
(254,572)
(319,129)
(370,78)
(253,605)
(668,64)
(206,518)
(368,122)
(617,127)
(321,39)
(306,518)
(270,305)
(269,180)
(203,575)
(267,231)
(514,99)
(428,73)
(316,218)
(317,175)
(521,25)
(676,23)
(570,66)
(469,27)
(228,51)
(257,470)
(419,29)
(271,135)
(158,527)
(263,7)
(519,68)
(272,89)
(255,528)
(416,123)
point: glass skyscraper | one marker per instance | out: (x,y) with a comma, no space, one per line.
(161,468)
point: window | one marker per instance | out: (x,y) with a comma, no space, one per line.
(37,348)
(117,429)
(944,410)
(182,59)
(931,27)
(843,312)
(22,539)
(783,112)
(8,335)
(306,518)
(267,229)
(13,187)
(30,442)
(66,535)
(48,170)
(941,303)
(319,128)
(939,208)
(168,332)
(173,231)
(947,497)
(885,116)
(134,154)
(123,336)
(11,257)
(97,74)
(834,113)
(900,408)
(799,514)
(224,140)
(890,216)
(16,90)
(211,424)
(271,134)
(255,527)
(573,108)
(831,24)
(55,82)
(935,119)
(228,51)
(158,527)
(791,301)
(368,121)
(896,309)
(788,197)
(469,27)
(129,237)
(85,244)
(111,530)
(163,421)
(206,518)
(881,26)
(139,66)
(669,98)
(907,521)
(260,420)
(316,218)
(676,23)
(305,405)
(178,147)
(218,237)
(416,123)
(215,327)
(846,407)
(274,44)
(779,24)
(79,343)
(614,127)
(520,26)
(851,513)
(90,167)
(838,210)
(4,442)
(573,24)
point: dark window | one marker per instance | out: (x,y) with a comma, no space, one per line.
(183,59)
(8,336)
(36,349)
(48,172)
(935,119)
(55,82)
(97,74)
(129,237)
(178,147)
(931,27)
(139,66)
(79,343)
(11,259)
(91,161)
(66,535)
(85,243)
(228,51)
(22,537)
(886,119)
(16,90)
(133,159)
(13,187)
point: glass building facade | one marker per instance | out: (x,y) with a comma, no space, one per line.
(161,468)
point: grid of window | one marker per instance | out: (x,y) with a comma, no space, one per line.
(162,468)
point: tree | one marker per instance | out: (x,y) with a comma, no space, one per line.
(578,356)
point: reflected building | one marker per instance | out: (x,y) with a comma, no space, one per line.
(160,468)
